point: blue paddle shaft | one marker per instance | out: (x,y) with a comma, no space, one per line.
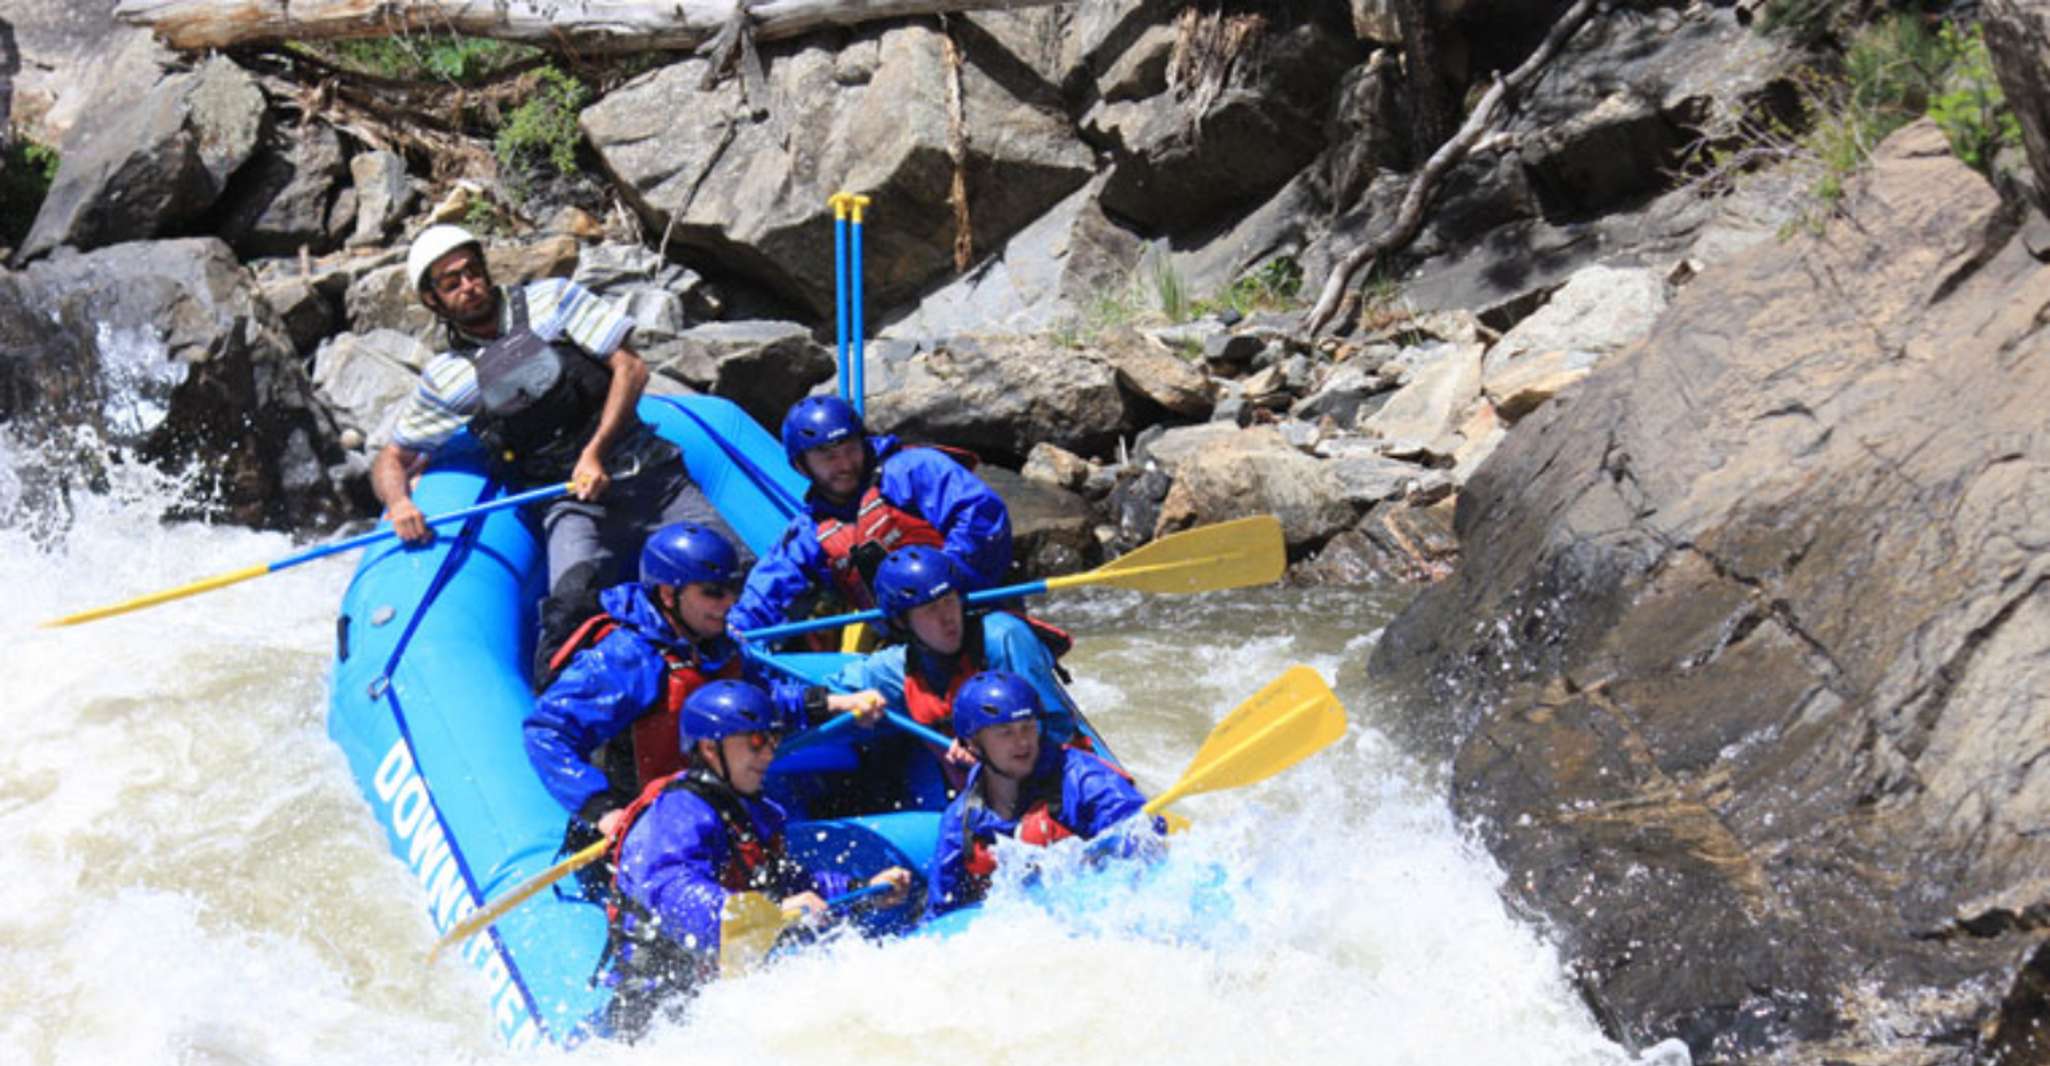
(812,625)
(322,551)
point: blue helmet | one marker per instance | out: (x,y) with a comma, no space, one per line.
(724,708)
(913,577)
(993,697)
(688,554)
(817,421)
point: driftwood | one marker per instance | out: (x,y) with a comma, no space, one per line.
(587,26)
(1472,134)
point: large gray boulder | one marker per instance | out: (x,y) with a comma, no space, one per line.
(999,396)
(743,182)
(1256,471)
(1744,666)
(1054,272)
(280,202)
(150,166)
(762,366)
(70,53)
(1247,112)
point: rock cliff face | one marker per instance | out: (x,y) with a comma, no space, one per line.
(1744,668)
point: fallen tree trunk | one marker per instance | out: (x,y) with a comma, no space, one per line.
(586,26)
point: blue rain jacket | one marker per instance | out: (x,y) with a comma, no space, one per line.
(1008,643)
(672,856)
(604,688)
(924,481)
(1094,797)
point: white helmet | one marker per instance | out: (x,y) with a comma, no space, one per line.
(433,243)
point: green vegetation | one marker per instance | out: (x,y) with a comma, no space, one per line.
(423,57)
(1157,294)
(1893,71)
(26,171)
(544,128)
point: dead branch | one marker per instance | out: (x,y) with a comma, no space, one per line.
(592,26)
(1410,217)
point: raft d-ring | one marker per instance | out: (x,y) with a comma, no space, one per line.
(380,686)
(383,614)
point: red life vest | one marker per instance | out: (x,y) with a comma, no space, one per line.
(751,861)
(1042,824)
(659,965)
(876,522)
(657,752)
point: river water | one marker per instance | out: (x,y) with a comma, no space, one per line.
(188,874)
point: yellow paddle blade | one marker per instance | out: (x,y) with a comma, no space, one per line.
(154,598)
(478,922)
(1292,718)
(1228,555)
(748,927)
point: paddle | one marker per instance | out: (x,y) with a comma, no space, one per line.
(749,925)
(1295,716)
(476,923)
(1227,555)
(321,551)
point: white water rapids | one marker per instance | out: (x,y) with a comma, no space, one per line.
(190,875)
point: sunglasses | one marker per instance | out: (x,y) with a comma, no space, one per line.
(760,739)
(718,590)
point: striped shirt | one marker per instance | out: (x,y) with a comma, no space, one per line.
(447,397)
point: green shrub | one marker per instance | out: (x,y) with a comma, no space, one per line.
(26,171)
(1171,293)
(424,57)
(544,128)
(1894,72)
(1970,107)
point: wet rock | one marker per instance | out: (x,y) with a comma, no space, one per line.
(745,182)
(762,366)
(999,397)
(149,166)
(1746,632)
(207,377)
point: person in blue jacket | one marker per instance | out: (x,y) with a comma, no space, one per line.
(1023,787)
(605,725)
(920,592)
(868,497)
(694,838)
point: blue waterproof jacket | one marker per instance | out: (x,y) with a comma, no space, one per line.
(1094,797)
(924,481)
(1007,643)
(672,856)
(604,688)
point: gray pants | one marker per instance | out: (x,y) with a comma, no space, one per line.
(597,544)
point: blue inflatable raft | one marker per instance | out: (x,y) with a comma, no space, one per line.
(430,686)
